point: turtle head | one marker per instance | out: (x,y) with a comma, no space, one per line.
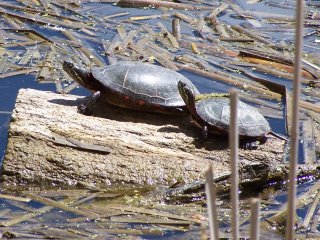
(80,75)
(187,94)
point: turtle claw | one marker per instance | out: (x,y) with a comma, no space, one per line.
(204,134)
(88,109)
(249,145)
(85,110)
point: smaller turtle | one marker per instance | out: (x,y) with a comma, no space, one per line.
(213,115)
(133,85)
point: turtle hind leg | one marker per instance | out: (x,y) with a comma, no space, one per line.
(252,144)
(88,109)
(249,144)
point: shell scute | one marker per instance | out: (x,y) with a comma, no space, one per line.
(142,81)
(216,113)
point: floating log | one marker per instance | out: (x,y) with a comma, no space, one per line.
(50,142)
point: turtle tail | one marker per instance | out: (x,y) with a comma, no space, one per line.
(277,135)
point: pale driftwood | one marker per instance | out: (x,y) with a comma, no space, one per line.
(49,142)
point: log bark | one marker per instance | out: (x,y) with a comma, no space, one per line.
(50,142)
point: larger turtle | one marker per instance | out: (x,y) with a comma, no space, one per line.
(133,85)
(213,115)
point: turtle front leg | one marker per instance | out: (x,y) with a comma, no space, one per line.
(88,109)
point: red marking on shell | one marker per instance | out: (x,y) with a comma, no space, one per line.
(141,102)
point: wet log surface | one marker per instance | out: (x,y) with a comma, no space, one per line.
(49,142)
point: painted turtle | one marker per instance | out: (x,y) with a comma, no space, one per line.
(213,115)
(133,85)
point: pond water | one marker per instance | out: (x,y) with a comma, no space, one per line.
(10,86)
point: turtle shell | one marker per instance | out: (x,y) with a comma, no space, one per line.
(215,112)
(142,82)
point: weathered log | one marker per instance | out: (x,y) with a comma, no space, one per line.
(49,142)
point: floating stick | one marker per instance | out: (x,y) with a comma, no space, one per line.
(234,144)
(176,32)
(291,216)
